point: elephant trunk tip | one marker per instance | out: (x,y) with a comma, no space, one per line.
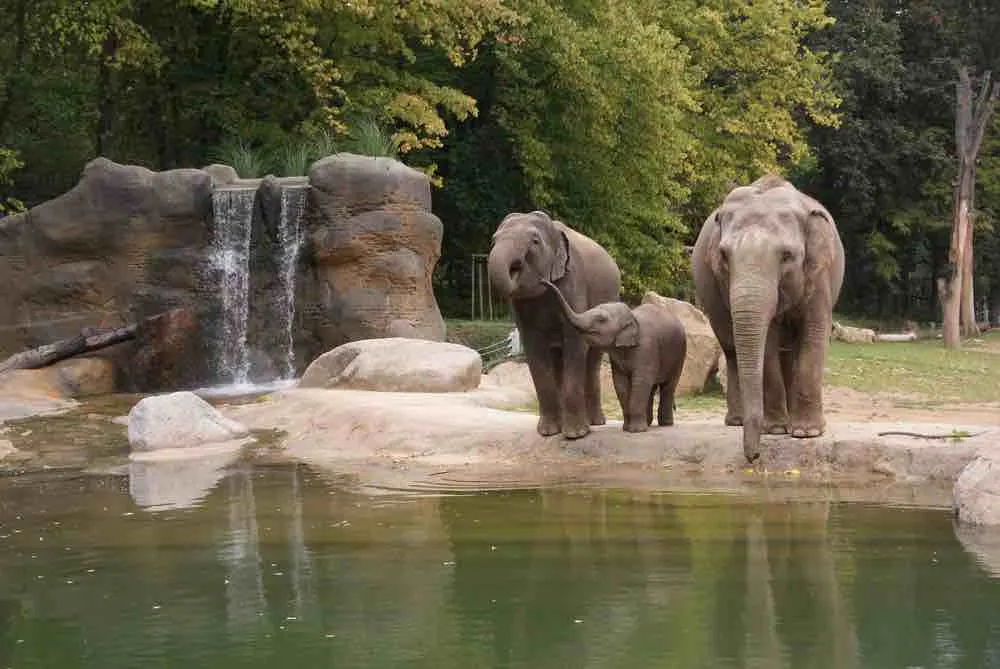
(752,429)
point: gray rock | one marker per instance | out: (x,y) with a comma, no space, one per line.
(395,364)
(373,242)
(221,174)
(122,245)
(977,492)
(178,420)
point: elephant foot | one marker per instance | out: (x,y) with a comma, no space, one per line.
(598,419)
(665,422)
(733,420)
(635,426)
(576,432)
(548,427)
(776,428)
(806,431)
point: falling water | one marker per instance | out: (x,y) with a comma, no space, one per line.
(293,200)
(233,212)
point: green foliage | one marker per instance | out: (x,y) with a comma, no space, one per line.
(248,161)
(368,137)
(628,120)
(293,159)
(9,163)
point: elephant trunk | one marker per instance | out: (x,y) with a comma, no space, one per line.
(576,320)
(504,265)
(752,306)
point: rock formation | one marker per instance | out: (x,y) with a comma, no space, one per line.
(374,242)
(312,263)
(396,365)
(123,245)
(178,420)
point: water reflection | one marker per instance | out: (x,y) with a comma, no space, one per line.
(278,566)
(181,479)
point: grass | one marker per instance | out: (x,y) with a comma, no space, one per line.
(249,163)
(477,334)
(923,370)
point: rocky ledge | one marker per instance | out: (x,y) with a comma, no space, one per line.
(468,441)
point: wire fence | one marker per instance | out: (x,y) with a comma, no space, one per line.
(503,349)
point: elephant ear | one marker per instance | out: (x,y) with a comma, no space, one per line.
(560,252)
(628,335)
(817,230)
(819,253)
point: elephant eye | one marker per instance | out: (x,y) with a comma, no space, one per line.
(787,256)
(536,240)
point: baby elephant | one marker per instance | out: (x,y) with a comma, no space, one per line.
(647,346)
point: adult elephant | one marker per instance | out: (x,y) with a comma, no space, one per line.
(527,249)
(768,267)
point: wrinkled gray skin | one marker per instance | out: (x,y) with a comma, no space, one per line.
(768,267)
(527,249)
(647,347)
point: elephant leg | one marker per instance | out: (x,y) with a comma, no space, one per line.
(542,364)
(775,404)
(595,412)
(639,405)
(806,401)
(622,385)
(734,403)
(668,394)
(572,388)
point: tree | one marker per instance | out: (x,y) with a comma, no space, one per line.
(972,115)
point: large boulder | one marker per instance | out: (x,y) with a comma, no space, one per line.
(374,244)
(977,492)
(395,364)
(83,377)
(702,347)
(122,245)
(178,420)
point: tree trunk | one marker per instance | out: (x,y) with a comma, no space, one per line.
(955,285)
(967,316)
(87,341)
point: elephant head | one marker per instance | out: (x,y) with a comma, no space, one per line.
(769,247)
(527,249)
(608,325)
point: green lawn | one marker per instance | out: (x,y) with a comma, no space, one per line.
(922,368)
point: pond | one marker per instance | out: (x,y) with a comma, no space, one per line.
(279,566)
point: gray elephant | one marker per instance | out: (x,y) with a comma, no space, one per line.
(527,249)
(647,346)
(768,267)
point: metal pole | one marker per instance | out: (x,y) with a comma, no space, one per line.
(489,290)
(472,266)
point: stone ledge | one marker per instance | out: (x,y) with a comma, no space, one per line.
(437,441)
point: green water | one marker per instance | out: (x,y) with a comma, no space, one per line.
(278,567)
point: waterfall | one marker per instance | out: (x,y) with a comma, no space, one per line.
(293,199)
(232,210)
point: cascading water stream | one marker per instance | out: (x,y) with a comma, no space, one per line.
(233,213)
(293,199)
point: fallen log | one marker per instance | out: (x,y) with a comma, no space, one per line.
(89,340)
(906,336)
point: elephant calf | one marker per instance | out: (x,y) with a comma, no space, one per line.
(647,346)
